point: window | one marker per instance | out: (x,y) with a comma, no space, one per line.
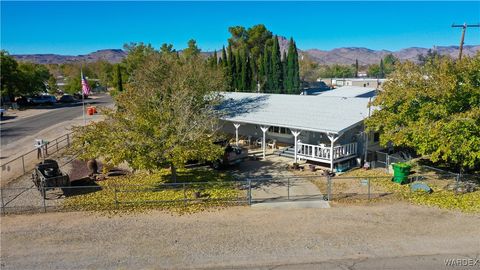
(279,130)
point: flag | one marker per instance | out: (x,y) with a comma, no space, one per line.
(85,87)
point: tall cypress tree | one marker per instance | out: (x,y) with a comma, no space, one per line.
(231,67)
(244,76)
(284,72)
(267,67)
(276,67)
(290,67)
(224,57)
(215,59)
(238,71)
(296,74)
(253,74)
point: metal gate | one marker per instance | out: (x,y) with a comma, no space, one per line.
(283,189)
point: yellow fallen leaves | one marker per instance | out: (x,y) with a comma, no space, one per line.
(366,173)
(469,202)
(195,190)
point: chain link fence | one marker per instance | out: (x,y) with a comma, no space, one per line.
(25,163)
(71,198)
(238,192)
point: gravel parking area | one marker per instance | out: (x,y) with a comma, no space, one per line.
(235,237)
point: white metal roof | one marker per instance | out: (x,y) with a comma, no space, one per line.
(360,79)
(314,113)
(350,91)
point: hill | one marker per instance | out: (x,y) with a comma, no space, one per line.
(345,55)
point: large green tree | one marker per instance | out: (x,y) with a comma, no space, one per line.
(9,76)
(434,109)
(167,117)
(33,77)
(276,64)
(136,55)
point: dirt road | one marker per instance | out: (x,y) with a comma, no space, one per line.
(399,236)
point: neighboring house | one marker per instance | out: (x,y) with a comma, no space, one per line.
(313,126)
(362,82)
(362,74)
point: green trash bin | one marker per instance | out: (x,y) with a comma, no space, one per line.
(401,172)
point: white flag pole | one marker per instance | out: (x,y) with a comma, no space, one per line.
(83,98)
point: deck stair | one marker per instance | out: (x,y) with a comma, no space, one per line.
(288,151)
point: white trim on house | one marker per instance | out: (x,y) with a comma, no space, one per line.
(310,113)
(333,115)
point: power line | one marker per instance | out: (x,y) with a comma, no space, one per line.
(464,27)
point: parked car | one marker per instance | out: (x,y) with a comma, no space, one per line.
(67,99)
(22,101)
(43,99)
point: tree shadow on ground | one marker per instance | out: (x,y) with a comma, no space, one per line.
(81,187)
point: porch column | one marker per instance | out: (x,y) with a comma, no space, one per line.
(264,130)
(295,134)
(236,125)
(333,138)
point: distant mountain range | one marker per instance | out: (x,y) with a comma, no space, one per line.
(336,56)
(366,56)
(110,55)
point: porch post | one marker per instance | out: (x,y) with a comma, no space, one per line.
(236,125)
(295,135)
(333,138)
(264,130)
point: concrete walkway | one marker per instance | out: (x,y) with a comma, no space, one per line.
(274,186)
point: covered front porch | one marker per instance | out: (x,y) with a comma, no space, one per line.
(300,150)
(322,153)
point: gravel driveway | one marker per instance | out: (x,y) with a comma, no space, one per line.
(241,237)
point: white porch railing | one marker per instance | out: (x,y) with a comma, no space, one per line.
(322,153)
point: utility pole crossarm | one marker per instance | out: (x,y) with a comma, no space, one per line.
(464,27)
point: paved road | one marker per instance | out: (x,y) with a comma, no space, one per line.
(16,130)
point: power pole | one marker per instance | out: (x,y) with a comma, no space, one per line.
(464,27)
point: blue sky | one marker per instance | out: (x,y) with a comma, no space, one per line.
(83,27)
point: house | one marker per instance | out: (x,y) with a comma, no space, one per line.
(362,82)
(326,128)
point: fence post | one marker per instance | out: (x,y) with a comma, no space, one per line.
(249,192)
(329,187)
(368,189)
(457,181)
(388,163)
(184,194)
(44,194)
(116,198)
(68,140)
(288,188)
(3,204)
(23,164)
(56,143)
